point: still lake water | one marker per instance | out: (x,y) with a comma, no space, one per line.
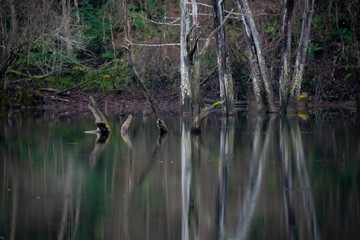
(243,178)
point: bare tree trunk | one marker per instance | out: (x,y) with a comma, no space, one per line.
(66,19)
(285,77)
(301,55)
(189,63)
(184,64)
(257,60)
(194,70)
(225,79)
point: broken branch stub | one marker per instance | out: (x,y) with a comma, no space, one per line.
(100,120)
(126,124)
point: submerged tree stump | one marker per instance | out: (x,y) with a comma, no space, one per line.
(100,120)
(126,124)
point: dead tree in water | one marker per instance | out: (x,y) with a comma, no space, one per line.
(290,84)
(100,120)
(262,87)
(159,122)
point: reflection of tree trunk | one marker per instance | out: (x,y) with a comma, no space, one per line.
(304,180)
(68,193)
(100,144)
(258,158)
(285,145)
(15,189)
(226,151)
(186,170)
(161,138)
(129,178)
(77,210)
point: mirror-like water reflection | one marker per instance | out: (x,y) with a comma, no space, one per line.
(242,178)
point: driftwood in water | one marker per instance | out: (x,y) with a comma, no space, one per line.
(160,122)
(100,120)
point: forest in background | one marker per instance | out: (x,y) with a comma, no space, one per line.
(63,43)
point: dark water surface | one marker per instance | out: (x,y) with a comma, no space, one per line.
(243,178)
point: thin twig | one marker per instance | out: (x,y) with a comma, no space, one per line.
(72,88)
(173,23)
(206,44)
(152,45)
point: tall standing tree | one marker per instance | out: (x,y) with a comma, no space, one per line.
(262,86)
(301,54)
(290,84)
(189,63)
(225,78)
(184,62)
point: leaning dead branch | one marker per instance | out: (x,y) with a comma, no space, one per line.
(160,122)
(152,44)
(100,120)
(206,44)
(206,111)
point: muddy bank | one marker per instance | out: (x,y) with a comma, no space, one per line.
(75,103)
(116,103)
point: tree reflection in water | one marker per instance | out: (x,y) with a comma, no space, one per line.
(237,180)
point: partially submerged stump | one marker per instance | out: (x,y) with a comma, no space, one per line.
(100,120)
(206,111)
(126,124)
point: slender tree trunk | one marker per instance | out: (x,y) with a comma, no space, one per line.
(257,61)
(225,79)
(14,22)
(301,55)
(77,14)
(184,64)
(194,70)
(285,77)
(66,19)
